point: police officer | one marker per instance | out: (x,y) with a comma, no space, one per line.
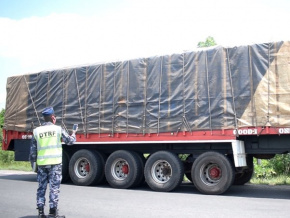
(46,151)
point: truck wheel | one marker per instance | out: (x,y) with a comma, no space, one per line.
(86,167)
(163,171)
(246,175)
(141,179)
(123,169)
(212,173)
(65,163)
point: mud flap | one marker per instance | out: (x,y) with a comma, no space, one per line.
(239,153)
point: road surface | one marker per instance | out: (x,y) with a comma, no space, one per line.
(17,191)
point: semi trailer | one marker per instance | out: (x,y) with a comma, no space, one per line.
(204,114)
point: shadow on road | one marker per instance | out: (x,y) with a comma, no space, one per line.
(247,190)
(29,216)
(29,177)
(260,191)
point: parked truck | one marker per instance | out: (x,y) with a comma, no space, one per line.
(204,114)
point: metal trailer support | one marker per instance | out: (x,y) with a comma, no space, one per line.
(239,153)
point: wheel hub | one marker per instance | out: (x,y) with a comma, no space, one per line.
(87,167)
(161,171)
(210,174)
(166,171)
(82,167)
(125,169)
(214,172)
(120,169)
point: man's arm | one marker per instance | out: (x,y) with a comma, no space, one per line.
(33,150)
(68,139)
(33,154)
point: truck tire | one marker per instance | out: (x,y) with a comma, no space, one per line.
(141,179)
(124,169)
(163,171)
(65,164)
(212,173)
(86,167)
(246,175)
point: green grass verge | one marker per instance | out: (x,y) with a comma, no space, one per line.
(16,165)
(274,180)
(7,162)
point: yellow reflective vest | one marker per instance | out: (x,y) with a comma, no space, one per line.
(49,148)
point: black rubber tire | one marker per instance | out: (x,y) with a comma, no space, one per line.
(114,173)
(160,164)
(65,166)
(246,175)
(95,174)
(220,166)
(141,179)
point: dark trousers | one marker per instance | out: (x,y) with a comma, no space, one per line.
(51,174)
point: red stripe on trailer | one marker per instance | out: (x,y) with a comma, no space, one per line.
(174,137)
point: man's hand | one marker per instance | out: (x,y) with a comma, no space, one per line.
(75,129)
(34,167)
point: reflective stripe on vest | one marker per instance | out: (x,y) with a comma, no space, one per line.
(49,148)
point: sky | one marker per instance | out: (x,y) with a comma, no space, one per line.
(37,35)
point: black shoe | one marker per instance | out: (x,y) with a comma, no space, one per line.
(53,213)
(41,212)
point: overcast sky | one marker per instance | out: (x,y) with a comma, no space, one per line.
(38,35)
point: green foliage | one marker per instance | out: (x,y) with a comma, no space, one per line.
(2,112)
(18,165)
(277,166)
(1,124)
(7,161)
(183,157)
(275,180)
(6,157)
(281,164)
(207,43)
(263,170)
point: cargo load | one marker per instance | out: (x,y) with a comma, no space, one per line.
(204,114)
(217,88)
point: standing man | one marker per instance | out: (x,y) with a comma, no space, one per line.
(46,151)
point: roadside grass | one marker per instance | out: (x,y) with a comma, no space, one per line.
(7,162)
(273,180)
(16,165)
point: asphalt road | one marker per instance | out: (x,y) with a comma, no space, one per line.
(18,196)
